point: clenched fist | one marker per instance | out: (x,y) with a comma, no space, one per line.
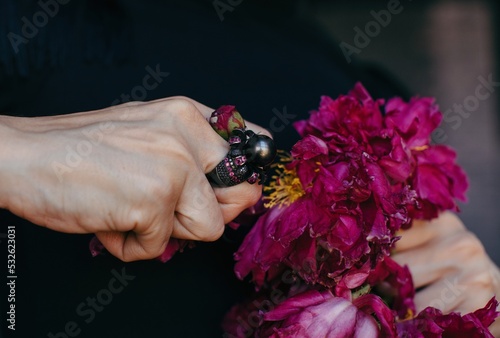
(132,174)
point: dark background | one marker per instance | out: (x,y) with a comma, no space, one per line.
(262,57)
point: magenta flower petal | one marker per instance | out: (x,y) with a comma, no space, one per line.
(398,163)
(315,314)
(414,120)
(250,257)
(400,281)
(438,181)
(96,247)
(309,147)
(295,305)
(433,323)
(174,245)
(372,304)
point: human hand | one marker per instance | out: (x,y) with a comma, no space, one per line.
(449,265)
(133,174)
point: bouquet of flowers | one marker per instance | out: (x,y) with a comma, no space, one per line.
(320,252)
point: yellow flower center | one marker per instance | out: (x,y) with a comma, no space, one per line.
(285,187)
(420,148)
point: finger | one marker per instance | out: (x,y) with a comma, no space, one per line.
(445,295)
(422,232)
(423,270)
(478,301)
(131,246)
(233,200)
(452,293)
(198,215)
(442,256)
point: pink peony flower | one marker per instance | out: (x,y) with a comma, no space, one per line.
(414,121)
(438,181)
(356,177)
(433,323)
(319,314)
(321,246)
(436,178)
(362,177)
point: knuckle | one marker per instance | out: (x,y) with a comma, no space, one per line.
(484,281)
(180,97)
(183,108)
(467,245)
(164,187)
(129,104)
(216,233)
(137,217)
(212,233)
(451,220)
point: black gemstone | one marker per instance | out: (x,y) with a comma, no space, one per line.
(235,152)
(260,150)
(242,171)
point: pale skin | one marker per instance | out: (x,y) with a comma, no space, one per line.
(140,182)
(451,266)
(138,179)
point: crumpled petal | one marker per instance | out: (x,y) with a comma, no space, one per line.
(432,323)
(174,245)
(415,120)
(315,314)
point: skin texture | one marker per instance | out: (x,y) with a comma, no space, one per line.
(449,265)
(133,174)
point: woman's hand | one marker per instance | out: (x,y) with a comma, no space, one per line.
(449,265)
(133,174)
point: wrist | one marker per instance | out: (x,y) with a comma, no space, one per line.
(16,155)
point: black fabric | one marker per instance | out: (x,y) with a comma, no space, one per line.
(261,58)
